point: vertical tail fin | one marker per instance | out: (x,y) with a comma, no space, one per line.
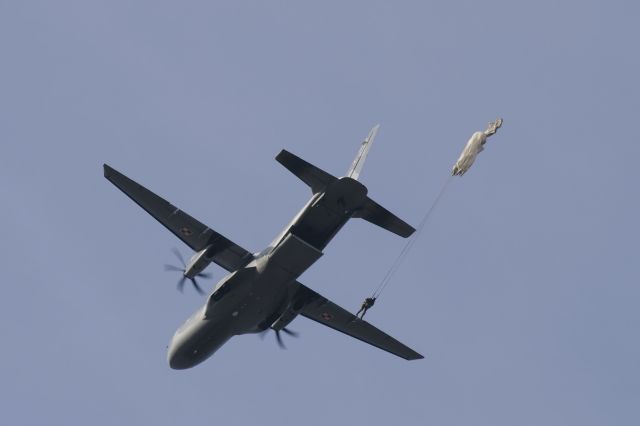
(358,162)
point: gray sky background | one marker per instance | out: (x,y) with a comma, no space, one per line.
(522,292)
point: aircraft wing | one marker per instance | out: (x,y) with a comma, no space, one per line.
(322,310)
(196,235)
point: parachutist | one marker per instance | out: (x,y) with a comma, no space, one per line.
(368,303)
(474,146)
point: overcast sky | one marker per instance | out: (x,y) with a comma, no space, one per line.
(522,292)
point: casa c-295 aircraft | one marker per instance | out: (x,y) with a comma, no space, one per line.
(262,290)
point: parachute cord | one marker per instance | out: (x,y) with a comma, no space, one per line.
(409,244)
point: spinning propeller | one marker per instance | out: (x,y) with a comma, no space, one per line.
(279,337)
(184,275)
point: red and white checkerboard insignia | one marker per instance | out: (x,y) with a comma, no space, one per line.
(326,316)
(185,231)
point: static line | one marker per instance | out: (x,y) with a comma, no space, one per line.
(409,244)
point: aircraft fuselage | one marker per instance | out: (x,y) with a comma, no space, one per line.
(259,296)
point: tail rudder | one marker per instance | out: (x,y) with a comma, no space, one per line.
(358,162)
(372,211)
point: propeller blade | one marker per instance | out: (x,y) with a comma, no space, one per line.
(263,333)
(279,340)
(172,268)
(182,280)
(291,332)
(196,286)
(204,275)
(181,283)
(179,256)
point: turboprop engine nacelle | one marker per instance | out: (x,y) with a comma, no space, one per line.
(288,315)
(199,262)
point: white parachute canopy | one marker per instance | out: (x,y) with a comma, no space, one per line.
(474,146)
(468,156)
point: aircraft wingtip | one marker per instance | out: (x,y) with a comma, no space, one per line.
(108,170)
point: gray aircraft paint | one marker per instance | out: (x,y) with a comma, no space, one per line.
(262,290)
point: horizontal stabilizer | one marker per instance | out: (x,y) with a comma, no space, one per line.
(316,178)
(378,215)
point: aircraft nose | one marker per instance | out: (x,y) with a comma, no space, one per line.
(176,358)
(177,363)
(175,355)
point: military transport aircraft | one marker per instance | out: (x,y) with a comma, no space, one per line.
(261,291)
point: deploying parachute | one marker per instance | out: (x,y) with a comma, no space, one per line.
(474,147)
